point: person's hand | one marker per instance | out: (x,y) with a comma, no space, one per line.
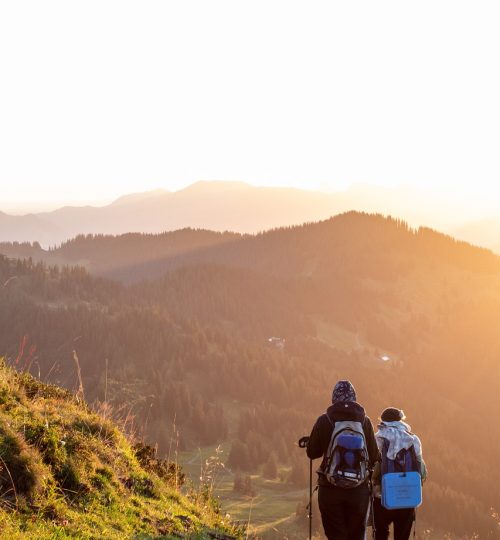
(303,442)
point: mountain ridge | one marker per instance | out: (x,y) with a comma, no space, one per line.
(221,206)
(111,255)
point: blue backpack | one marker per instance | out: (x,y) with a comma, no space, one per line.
(401,480)
(347,464)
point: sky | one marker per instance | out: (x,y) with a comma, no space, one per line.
(102,98)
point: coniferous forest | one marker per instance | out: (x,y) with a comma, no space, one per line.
(172,332)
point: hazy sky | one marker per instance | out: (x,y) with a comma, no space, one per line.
(100,98)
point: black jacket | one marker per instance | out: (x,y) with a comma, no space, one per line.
(323,429)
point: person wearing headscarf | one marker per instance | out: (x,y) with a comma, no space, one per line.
(394,432)
(343,511)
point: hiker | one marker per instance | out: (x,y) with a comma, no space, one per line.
(344,437)
(395,442)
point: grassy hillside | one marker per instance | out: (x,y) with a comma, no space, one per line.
(66,472)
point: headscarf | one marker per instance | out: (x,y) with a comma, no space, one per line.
(399,436)
(343,391)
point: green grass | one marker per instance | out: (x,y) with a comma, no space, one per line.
(268,514)
(66,472)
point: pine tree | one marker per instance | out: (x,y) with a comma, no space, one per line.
(248,488)
(298,475)
(238,456)
(238,484)
(270,469)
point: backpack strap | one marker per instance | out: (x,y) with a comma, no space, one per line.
(387,465)
(391,466)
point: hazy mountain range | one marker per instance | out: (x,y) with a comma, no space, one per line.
(485,232)
(239,207)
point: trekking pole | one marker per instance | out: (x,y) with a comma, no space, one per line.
(310,498)
(303,442)
(372,502)
(371,510)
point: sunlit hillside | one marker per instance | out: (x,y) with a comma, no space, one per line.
(68,472)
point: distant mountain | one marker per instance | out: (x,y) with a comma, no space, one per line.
(124,255)
(485,233)
(218,206)
(140,197)
(28,228)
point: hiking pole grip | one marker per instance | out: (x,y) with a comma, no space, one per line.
(303,442)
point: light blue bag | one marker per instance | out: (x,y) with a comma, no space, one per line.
(401,490)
